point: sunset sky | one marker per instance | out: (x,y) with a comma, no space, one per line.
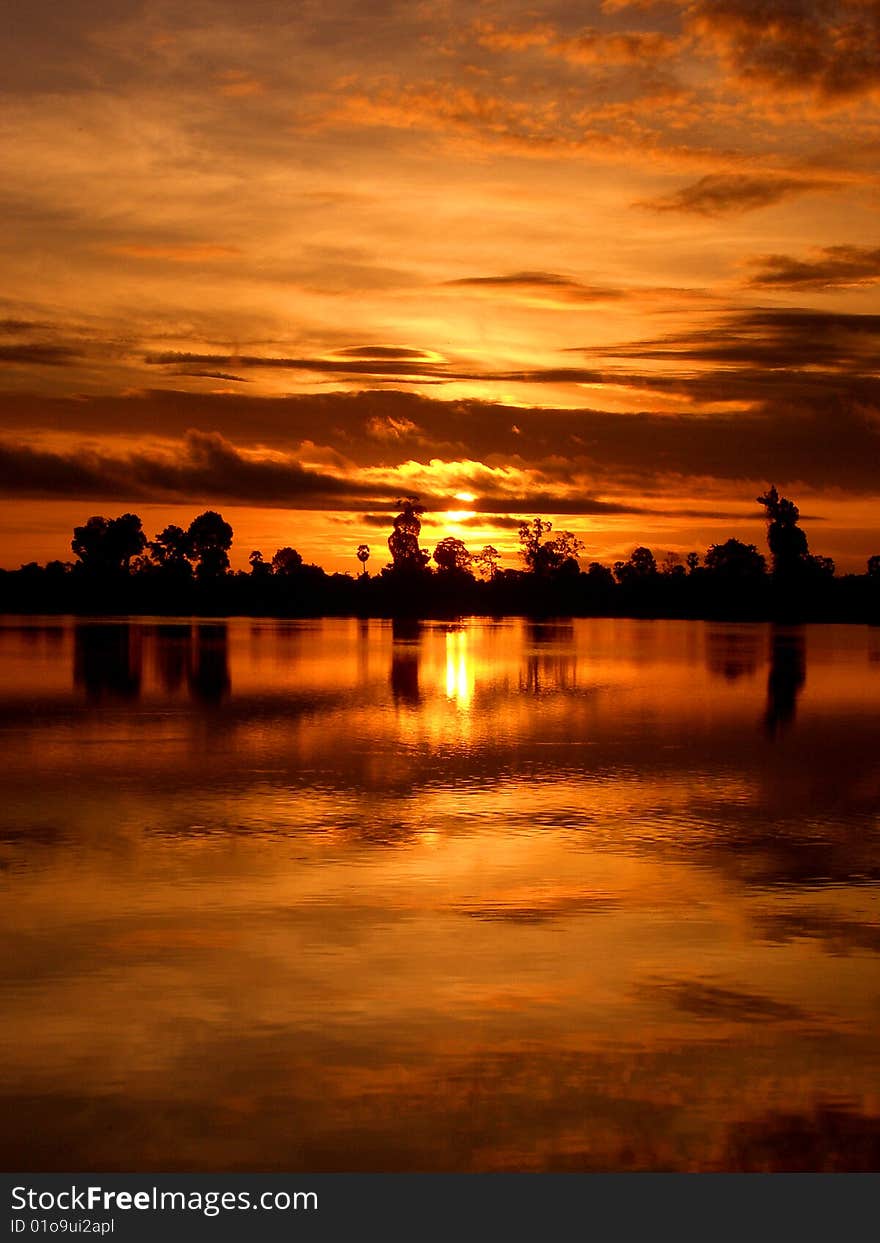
(612,263)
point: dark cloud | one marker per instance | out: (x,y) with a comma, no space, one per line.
(793,337)
(384,351)
(553,503)
(550,282)
(12,327)
(819,428)
(722,194)
(499,519)
(216,375)
(376,369)
(832,267)
(383,365)
(377,520)
(207,466)
(32,472)
(830,50)
(799,389)
(750,356)
(38,353)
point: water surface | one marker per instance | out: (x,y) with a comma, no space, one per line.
(500,896)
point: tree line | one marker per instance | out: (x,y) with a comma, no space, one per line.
(119,570)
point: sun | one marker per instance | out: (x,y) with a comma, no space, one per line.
(453,517)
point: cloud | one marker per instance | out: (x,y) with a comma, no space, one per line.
(12,327)
(829,49)
(720,194)
(390,428)
(584,47)
(394,368)
(185,252)
(832,267)
(617,6)
(526,123)
(541,285)
(236,84)
(216,375)
(844,344)
(207,466)
(38,353)
(385,351)
(382,365)
(763,393)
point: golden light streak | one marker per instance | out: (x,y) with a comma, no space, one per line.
(459,669)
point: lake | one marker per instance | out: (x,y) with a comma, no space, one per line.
(348,895)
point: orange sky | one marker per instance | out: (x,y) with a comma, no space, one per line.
(614,263)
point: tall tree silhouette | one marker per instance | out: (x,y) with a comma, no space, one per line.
(363,555)
(787,541)
(211,539)
(403,542)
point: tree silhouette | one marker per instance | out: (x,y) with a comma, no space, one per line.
(109,544)
(640,567)
(452,556)
(259,568)
(485,562)
(112,574)
(531,537)
(822,567)
(735,561)
(787,541)
(545,557)
(403,542)
(286,562)
(599,576)
(171,549)
(672,564)
(211,539)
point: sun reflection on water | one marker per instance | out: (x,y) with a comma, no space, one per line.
(459,669)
